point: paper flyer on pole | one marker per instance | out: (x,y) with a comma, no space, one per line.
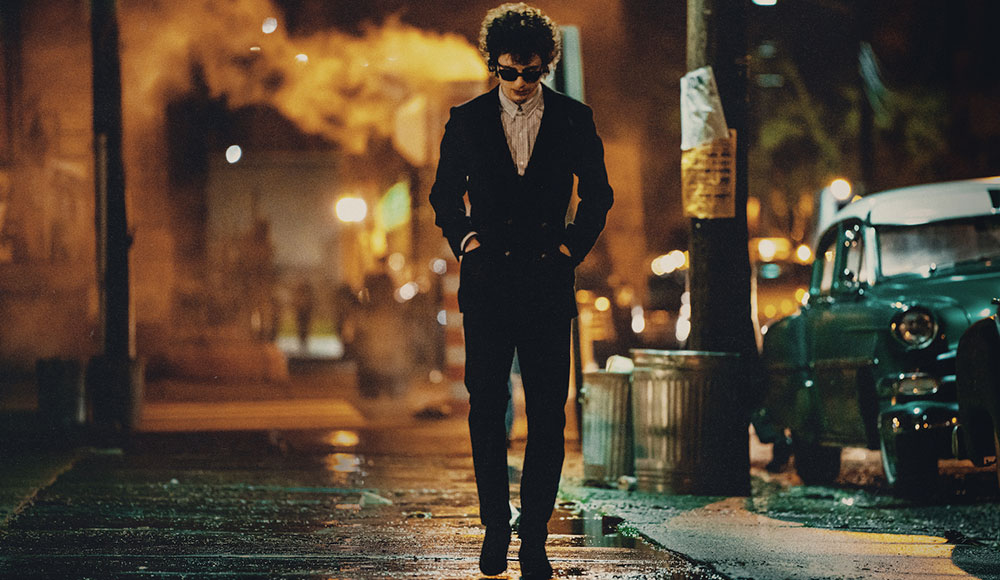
(708,156)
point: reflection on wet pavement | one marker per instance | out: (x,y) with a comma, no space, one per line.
(323,504)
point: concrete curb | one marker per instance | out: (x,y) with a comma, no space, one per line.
(25,472)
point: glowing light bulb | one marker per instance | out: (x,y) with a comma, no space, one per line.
(767,249)
(234,153)
(841,189)
(351,209)
(803,254)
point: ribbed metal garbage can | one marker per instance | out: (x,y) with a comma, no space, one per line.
(607,427)
(691,432)
(116,388)
(61,398)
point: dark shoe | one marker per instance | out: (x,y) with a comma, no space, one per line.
(493,557)
(534,562)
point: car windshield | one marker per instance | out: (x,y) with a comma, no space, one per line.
(926,248)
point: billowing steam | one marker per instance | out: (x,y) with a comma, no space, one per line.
(344,87)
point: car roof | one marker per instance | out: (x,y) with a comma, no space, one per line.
(926,203)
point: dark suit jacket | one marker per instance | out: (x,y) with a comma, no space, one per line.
(520,221)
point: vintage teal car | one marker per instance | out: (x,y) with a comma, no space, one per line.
(869,359)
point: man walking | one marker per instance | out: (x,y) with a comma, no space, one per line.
(515,151)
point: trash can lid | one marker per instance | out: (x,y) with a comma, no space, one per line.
(679,358)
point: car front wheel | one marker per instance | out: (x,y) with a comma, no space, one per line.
(816,464)
(909,467)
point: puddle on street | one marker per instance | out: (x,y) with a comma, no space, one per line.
(595,530)
(343,463)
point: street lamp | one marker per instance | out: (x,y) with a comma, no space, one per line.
(831,199)
(354,243)
(841,189)
(350,209)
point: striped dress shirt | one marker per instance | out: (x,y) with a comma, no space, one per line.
(521,123)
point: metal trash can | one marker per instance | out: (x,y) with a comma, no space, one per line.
(691,431)
(62,405)
(116,388)
(607,427)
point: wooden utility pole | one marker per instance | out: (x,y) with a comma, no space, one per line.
(720,264)
(114,378)
(113,239)
(719,271)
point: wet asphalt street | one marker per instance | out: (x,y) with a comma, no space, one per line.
(391,502)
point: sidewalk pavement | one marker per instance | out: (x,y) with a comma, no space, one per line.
(27,467)
(395,498)
(723,533)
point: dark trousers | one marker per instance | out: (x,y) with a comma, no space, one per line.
(542,345)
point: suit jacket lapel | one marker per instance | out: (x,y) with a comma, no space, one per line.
(546,138)
(495,135)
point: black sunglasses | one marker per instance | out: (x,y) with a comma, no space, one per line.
(510,74)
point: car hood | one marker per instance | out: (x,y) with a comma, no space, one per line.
(973,293)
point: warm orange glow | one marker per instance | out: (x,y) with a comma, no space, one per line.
(343,462)
(669,262)
(345,87)
(396,261)
(770,249)
(624,296)
(343,439)
(602,304)
(379,242)
(753,211)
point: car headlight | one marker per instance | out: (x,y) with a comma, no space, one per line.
(916,328)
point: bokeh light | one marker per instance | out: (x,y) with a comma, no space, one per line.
(841,189)
(351,209)
(234,153)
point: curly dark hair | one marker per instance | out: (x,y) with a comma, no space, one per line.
(521,31)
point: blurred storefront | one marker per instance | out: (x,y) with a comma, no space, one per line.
(239,138)
(48,287)
(230,182)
